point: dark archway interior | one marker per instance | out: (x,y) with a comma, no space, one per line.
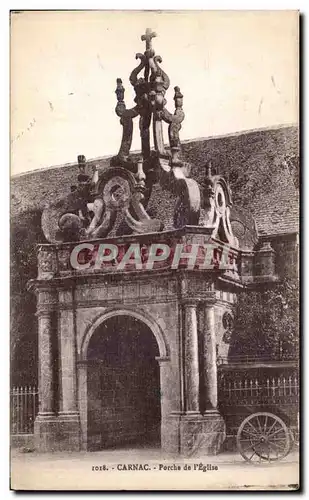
(123,382)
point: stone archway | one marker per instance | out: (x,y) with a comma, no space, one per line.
(132,313)
(121,380)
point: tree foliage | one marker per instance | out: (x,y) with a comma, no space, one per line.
(25,233)
(267,322)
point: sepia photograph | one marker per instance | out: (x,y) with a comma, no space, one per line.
(154,227)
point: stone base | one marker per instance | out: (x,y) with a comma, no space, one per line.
(201,435)
(170,444)
(57,433)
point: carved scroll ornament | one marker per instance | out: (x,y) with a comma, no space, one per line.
(90,210)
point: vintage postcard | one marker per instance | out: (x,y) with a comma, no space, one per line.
(154,250)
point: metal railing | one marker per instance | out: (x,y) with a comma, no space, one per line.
(253,390)
(24,408)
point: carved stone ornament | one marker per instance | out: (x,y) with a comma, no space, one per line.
(47,264)
(91,209)
(228,325)
(216,205)
(46,261)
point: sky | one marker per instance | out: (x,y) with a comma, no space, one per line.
(237,70)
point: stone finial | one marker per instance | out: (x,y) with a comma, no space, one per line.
(150,105)
(178,98)
(82,176)
(81,159)
(209,169)
(149,35)
(119,90)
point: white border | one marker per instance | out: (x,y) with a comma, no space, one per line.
(5,6)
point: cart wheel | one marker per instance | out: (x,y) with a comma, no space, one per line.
(263,437)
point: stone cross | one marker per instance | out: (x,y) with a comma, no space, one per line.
(148,37)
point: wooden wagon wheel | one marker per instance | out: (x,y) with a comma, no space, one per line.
(263,437)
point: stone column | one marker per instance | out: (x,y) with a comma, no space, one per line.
(67,353)
(168,440)
(45,422)
(210,359)
(191,362)
(69,430)
(83,403)
(45,364)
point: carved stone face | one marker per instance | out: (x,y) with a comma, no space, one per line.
(178,102)
(117,193)
(227,321)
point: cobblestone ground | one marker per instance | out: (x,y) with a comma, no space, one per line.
(108,470)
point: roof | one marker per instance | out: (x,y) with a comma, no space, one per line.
(260,165)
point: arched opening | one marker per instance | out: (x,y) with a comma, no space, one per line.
(123,385)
